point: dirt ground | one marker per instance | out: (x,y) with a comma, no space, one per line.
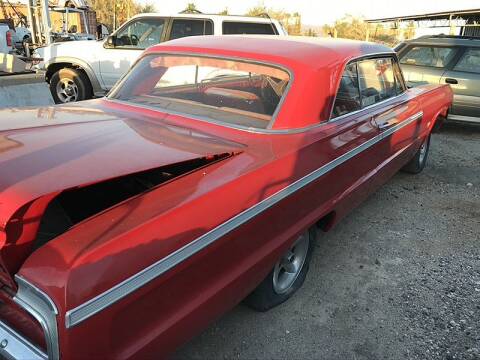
(399,278)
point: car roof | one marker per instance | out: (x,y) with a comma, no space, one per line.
(214,17)
(285,50)
(446,40)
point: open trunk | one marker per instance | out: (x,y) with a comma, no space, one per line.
(46,218)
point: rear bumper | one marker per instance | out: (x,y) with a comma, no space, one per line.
(15,346)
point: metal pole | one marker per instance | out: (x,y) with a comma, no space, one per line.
(31,24)
(47,26)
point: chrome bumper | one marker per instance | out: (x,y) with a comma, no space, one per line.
(15,346)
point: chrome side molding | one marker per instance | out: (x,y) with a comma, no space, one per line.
(43,309)
(98,303)
(15,346)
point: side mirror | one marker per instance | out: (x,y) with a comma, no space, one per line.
(111,42)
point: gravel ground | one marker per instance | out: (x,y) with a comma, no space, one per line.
(399,278)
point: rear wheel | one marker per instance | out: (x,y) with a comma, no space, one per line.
(418,162)
(286,277)
(70,85)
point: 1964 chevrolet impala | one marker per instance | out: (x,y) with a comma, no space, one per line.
(127,224)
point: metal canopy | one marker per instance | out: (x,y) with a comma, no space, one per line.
(445,15)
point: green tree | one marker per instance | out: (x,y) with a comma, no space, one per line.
(224,11)
(291,22)
(113,13)
(191,9)
(148,8)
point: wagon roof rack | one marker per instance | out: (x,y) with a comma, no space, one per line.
(443,36)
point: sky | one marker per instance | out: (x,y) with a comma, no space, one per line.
(322,12)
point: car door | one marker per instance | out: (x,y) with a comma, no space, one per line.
(126,45)
(397,117)
(464,79)
(350,134)
(425,64)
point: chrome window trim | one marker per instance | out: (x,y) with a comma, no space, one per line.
(91,307)
(271,123)
(15,346)
(366,108)
(43,309)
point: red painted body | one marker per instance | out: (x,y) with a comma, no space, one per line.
(49,150)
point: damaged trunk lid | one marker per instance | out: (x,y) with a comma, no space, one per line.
(47,153)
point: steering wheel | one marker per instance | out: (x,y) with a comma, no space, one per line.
(134,39)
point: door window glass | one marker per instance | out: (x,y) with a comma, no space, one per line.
(428,56)
(348,96)
(376,79)
(236,27)
(140,34)
(469,62)
(187,27)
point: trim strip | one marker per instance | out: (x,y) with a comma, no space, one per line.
(126,287)
(43,309)
(15,346)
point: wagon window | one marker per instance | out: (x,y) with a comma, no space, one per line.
(377,81)
(222,90)
(470,61)
(428,56)
(348,95)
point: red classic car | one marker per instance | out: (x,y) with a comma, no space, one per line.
(131,222)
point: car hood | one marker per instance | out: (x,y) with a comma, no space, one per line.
(48,150)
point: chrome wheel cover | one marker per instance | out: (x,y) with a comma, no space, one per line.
(423,151)
(67,90)
(288,268)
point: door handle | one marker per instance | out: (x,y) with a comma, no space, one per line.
(451,81)
(387,124)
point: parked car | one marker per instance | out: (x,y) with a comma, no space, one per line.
(82,69)
(443,59)
(130,222)
(6,39)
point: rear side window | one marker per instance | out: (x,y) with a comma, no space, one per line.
(428,56)
(376,79)
(188,27)
(470,61)
(235,27)
(367,82)
(348,96)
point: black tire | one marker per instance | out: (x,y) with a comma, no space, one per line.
(418,162)
(75,84)
(265,297)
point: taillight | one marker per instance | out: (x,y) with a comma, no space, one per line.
(9,38)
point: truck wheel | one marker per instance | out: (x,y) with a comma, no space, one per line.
(286,277)
(418,162)
(69,85)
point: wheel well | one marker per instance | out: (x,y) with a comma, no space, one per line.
(439,119)
(52,69)
(326,222)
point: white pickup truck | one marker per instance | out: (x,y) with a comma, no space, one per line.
(79,70)
(6,39)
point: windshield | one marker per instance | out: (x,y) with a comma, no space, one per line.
(231,91)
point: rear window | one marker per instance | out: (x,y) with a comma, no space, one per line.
(230,91)
(236,27)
